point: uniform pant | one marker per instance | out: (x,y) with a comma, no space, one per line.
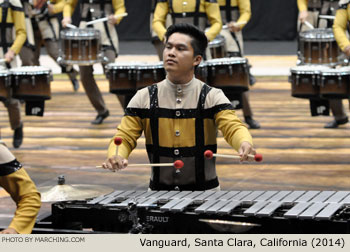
(91,88)
(14,111)
(233,49)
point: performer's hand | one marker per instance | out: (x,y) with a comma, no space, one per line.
(303,16)
(245,149)
(65,21)
(233,27)
(347,50)
(112,19)
(9,56)
(50,8)
(115,163)
(8,231)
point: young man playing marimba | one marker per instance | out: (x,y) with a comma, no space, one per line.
(180,117)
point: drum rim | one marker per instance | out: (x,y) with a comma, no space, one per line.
(307,35)
(35,70)
(226,61)
(74,33)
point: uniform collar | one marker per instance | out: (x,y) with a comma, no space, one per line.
(180,87)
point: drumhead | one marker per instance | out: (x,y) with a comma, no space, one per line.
(87,33)
(30,70)
(336,71)
(319,34)
(217,41)
(309,69)
(226,61)
(124,65)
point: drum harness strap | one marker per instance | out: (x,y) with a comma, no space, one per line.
(4,25)
(89,18)
(105,24)
(229,19)
(196,12)
(44,16)
(156,112)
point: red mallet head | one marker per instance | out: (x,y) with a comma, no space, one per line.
(208,154)
(258,157)
(178,164)
(118,141)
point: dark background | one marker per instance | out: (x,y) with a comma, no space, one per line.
(271,20)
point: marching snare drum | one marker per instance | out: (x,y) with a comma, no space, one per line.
(4,83)
(335,83)
(122,77)
(148,74)
(229,74)
(81,46)
(201,72)
(305,81)
(217,47)
(31,83)
(318,46)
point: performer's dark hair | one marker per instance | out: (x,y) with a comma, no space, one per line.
(199,41)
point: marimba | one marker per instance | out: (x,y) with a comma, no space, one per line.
(192,211)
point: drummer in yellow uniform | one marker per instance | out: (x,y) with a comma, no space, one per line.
(15,180)
(42,26)
(309,11)
(91,10)
(236,14)
(8,49)
(188,11)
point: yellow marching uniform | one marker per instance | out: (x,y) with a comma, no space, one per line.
(195,12)
(180,122)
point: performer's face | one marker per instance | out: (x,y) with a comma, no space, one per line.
(178,55)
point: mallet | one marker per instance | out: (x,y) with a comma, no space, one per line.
(209,155)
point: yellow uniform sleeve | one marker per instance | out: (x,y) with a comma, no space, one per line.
(119,8)
(20,28)
(214,17)
(27,198)
(233,130)
(159,19)
(339,27)
(58,6)
(244,12)
(129,130)
(302,5)
(69,7)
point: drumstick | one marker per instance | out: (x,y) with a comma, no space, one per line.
(209,155)
(178,164)
(326,16)
(105,19)
(71,26)
(309,25)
